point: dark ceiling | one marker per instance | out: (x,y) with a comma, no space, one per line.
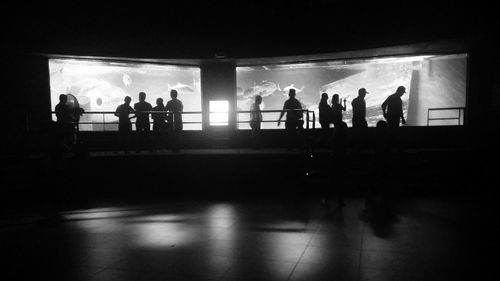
(238,29)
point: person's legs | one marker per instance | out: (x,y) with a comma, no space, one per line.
(393,122)
(290,133)
(177,137)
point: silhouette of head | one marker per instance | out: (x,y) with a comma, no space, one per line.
(159,101)
(291,93)
(142,96)
(63,98)
(258,99)
(335,99)
(401,90)
(324,97)
(173,94)
(127,99)
(362,92)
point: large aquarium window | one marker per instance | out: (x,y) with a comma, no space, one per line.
(100,86)
(431,82)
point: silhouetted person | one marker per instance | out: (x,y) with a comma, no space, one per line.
(255,121)
(174,119)
(64,128)
(393,108)
(325,117)
(159,124)
(294,120)
(123,112)
(359,110)
(337,109)
(142,124)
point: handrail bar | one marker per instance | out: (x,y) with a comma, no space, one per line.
(446,108)
(458,118)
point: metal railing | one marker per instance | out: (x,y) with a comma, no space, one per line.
(310,117)
(308,113)
(116,122)
(460,118)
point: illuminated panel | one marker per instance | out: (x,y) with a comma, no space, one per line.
(102,86)
(219,113)
(430,81)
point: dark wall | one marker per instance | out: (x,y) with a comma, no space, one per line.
(25,102)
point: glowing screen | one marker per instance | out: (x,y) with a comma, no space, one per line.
(219,113)
(437,81)
(102,85)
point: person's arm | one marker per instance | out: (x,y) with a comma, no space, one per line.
(116,112)
(281,115)
(384,108)
(403,117)
(131,110)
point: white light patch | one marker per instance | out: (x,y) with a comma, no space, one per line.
(219,113)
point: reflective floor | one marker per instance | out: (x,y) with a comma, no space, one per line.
(376,239)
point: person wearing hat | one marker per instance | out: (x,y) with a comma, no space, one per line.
(359,110)
(392,108)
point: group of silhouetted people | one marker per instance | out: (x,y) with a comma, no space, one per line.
(167,122)
(392,109)
(167,119)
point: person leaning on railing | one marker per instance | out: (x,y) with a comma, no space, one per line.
(124,125)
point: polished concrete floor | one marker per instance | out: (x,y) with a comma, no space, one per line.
(383,238)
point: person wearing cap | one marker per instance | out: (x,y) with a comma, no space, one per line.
(392,108)
(359,110)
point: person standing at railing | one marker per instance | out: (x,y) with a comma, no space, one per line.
(142,124)
(64,125)
(294,120)
(123,112)
(392,108)
(325,116)
(337,109)
(159,125)
(359,110)
(255,121)
(174,120)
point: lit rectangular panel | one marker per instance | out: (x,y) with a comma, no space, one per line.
(437,81)
(219,113)
(102,85)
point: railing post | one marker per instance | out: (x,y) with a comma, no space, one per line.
(314,120)
(307,119)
